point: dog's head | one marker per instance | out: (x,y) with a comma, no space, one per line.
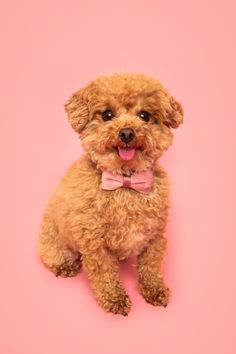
(124,121)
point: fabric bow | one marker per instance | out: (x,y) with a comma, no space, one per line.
(141,181)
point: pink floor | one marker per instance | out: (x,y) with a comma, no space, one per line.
(48,50)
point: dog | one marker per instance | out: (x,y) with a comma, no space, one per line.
(113,202)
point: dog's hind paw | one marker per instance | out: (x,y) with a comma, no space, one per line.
(68,268)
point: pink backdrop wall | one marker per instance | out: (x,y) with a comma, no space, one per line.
(48,50)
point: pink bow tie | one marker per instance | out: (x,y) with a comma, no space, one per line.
(141,182)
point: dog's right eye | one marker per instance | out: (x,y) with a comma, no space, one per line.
(107,115)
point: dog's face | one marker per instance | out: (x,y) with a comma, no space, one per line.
(124,121)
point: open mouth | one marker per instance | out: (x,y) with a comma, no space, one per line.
(126,153)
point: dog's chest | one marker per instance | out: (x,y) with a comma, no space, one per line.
(126,245)
(130,226)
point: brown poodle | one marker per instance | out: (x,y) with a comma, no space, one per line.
(113,202)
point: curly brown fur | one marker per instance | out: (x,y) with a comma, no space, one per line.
(83,222)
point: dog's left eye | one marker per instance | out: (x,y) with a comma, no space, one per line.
(144,115)
(107,115)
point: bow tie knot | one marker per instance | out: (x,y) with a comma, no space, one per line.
(141,181)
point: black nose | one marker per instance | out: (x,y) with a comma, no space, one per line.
(126,135)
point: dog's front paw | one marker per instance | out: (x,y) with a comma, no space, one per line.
(158,295)
(116,303)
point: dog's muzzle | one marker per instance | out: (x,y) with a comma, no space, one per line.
(126,135)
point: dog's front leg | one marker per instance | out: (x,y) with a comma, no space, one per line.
(151,283)
(103,271)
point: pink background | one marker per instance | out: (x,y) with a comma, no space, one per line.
(48,50)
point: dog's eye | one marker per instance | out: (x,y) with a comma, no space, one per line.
(144,116)
(107,115)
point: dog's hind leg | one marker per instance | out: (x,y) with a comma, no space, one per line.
(56,256)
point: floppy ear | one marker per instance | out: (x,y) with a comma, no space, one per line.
(174,114)
(77,110)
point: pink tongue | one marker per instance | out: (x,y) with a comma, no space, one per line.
(126,154)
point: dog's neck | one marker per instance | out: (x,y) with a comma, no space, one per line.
(123,172)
